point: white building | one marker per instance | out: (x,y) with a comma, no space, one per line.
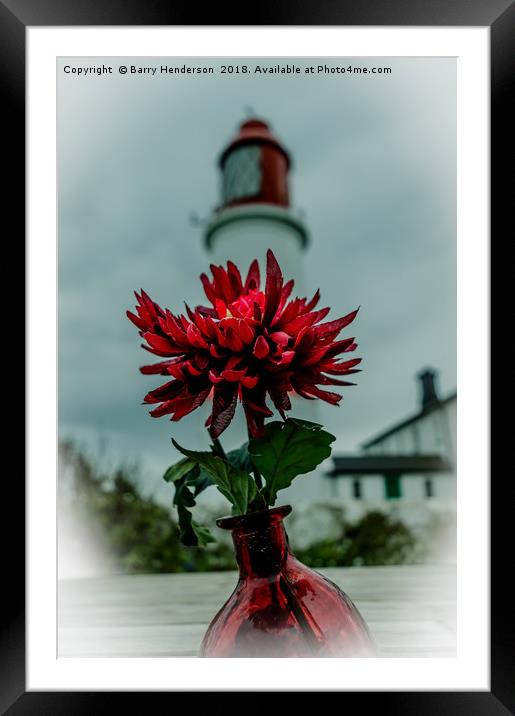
(409,466)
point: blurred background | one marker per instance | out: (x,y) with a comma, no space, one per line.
(158,177)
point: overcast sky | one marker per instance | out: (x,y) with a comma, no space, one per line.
(374,171)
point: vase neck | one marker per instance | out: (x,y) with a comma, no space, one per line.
(260,542)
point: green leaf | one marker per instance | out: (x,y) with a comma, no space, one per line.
(195,476)
(181,468)
(204,536)
(288,449)
(191,533)
(240,458)
(234,484)
(183,495)
(186,476)
(201,481)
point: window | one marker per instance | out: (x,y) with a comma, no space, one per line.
(429,487)
(242,173)
(356,489)
(392,485)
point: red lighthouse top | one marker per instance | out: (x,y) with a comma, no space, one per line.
(254,167)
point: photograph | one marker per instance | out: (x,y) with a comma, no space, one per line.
(257,356)
(258,255)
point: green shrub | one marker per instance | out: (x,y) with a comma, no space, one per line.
(374,539)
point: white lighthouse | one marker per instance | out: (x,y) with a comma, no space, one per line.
(254,215)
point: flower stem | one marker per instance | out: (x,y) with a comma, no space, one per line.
(257,478)
(221,452)
(255,472)
(313,640)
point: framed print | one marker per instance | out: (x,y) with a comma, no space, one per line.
(354,146)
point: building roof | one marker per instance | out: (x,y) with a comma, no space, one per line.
(388,465)
(404,423)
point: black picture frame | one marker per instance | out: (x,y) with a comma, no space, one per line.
(15,17)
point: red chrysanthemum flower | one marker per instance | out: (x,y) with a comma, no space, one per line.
(249,344)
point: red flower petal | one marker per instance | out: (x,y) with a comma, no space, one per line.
(208,288)
(305,320)
(163,345)
(285,294)
(289,313)
(186,405)
(316,298)
(253,279)
(249,381)
(259,408)
(286,358)
(314,356)
(333,398)
(304,340)
(345,346)
(163,409)
(234,339)
(138,322)
(177,370)
(233,375)
(157,368)
(336,326)
(280,338)
(342,367)
(232,362)
(195,338)
(281,401)
(246,332)
(256,410)
(201,360)
(166,392)
(192,370)
(222,285)
(261,348)
(274,284)
(334,381)
(224,406)
(205,311)
(234,278)
(221,308)
(215,351)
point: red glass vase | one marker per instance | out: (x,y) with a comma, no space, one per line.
(280,607)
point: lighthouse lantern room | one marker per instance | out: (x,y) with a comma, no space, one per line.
(255,167)
(254,213)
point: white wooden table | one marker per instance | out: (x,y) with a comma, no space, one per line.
(411,611)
